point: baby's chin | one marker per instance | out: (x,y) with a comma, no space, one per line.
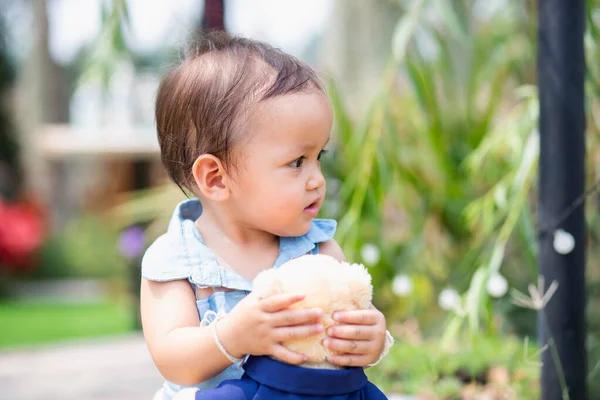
(294,231)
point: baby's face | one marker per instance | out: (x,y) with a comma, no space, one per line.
(280,185)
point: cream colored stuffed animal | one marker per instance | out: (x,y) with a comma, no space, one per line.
(328,284)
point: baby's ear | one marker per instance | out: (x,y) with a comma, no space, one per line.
(267,283)
(211,178)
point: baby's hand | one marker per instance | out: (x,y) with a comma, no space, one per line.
(359,338)
(258,326)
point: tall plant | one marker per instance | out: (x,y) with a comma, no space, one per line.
(405,168)
(513,210)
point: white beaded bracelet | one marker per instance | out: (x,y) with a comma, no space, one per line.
(213,328)
(389,342)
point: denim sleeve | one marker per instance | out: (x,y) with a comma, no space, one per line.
(166,260)
(322,230)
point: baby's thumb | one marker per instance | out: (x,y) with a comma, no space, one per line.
(186,394)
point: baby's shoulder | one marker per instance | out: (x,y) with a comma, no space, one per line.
(166,260)
(321,231)
(175,254)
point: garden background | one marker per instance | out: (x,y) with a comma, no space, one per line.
(432,173)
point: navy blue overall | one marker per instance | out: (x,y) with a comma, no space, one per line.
(265,379)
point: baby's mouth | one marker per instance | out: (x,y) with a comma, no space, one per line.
(312,209)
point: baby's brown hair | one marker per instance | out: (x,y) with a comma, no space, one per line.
(202,105)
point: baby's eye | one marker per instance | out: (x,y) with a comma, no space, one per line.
(297,163)
(321,153)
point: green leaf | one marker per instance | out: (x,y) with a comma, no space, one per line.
(476,297)
(404,31)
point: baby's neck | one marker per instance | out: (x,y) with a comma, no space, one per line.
(221,225)
(244,250)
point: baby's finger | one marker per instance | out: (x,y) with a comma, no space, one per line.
(358,317)
(286,333)
(349,360)
(297,317)
(353,332)
(357,347)
(287,356)
(279,302)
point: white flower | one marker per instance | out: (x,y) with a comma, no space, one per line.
(497,286)
(402,285)
(370,254)
(564,242)
(449,299)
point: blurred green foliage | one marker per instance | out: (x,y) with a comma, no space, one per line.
(447,129)
(436,180)
(86,248)
(110,48)
(504,366)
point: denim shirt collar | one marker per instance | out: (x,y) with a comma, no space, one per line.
(201,261)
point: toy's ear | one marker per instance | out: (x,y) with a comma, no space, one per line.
(360,285)
(267,284)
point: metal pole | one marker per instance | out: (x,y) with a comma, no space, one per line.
(561,67)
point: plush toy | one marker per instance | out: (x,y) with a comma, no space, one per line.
(329,285)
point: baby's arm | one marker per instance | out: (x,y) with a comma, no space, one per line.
(333,249)
(183,352)
(187,354)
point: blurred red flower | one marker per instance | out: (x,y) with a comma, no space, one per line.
(22,232)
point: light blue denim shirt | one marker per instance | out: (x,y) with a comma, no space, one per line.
(180,253)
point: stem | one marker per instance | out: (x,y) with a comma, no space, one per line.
(556,358)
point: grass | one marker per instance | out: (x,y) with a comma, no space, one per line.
(30,323)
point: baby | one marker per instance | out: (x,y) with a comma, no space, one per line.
(242,126)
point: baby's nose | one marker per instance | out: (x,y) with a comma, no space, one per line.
(316,182)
